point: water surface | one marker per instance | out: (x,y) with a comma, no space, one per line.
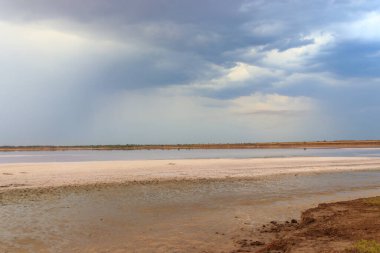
(115,155)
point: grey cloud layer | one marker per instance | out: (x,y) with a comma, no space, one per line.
(221,51)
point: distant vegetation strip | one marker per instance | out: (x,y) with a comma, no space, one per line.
(266,145)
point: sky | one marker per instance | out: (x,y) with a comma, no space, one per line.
(175,71)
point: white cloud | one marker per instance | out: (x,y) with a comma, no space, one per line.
(296,57)
(279,117)
(271,104)
(365,28)
(309,79)
(241,74)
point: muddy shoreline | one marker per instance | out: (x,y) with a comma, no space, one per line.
(186,216)
(329,227)
(239,233)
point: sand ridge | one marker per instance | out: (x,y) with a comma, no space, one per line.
(32,175)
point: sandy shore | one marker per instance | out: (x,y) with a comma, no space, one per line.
(32,175)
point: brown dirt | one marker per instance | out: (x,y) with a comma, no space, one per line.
(332,227)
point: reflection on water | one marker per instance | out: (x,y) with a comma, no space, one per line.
(86,155)
(171,216)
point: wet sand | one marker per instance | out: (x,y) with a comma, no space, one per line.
(166,206)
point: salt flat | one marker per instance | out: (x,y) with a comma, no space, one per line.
(31,175)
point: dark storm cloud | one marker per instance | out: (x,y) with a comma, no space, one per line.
(208,29)
(144,70)
(192,23)
(192,34)
(352,59)
(126,11)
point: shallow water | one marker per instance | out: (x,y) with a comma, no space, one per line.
(169,217)
(114,155)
